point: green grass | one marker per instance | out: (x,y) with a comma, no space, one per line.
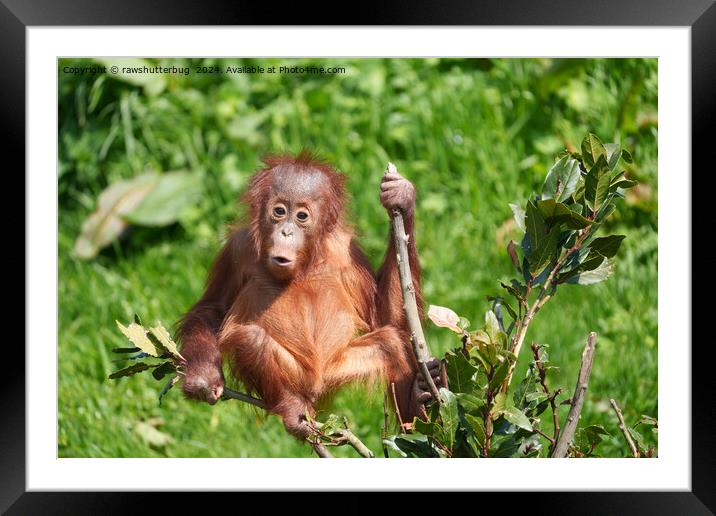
(473,135)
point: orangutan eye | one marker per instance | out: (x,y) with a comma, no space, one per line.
(302,216)
(279,211)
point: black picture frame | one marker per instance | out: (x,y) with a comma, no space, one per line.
(699,15)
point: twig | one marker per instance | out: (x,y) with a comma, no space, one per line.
(384,431)
(322,451)
(570,426)
(410,305)
(246,398)
(623,428)
(395,405)
(550,439)
(551,395)
(341,436)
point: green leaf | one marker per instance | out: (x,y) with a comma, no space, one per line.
(594,433)
(591,181)
(517,418)
(614,152)
(562,179)
(459,372)
(593,261)
(162,335)
(519,214)
(125,350)
(129,371)
(137,335)
(449,415)
(477,428)
(163,370)
(641,444)
(471,404)
(554,212)
(597,275)
(504,446)
(545,252)
(499,404)
(588,438)
(574,261)
(492,326)
(592,149)
(626,156)
(173,193)
(604,212)
(107,222)
(331,424)
(426,427)
(624,183)
(607,246)
(516,289)
(498,376)
(602,191)
(535,224)
(411,445)
(531,446)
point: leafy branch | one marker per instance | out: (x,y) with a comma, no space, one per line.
(478,417)
(154,349)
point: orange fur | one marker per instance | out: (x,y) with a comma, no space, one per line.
(294,342)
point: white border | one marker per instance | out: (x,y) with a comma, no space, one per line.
(670,471)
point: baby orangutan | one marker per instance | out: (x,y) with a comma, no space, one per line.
(293,305)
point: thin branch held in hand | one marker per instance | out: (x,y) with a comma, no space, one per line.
(410,305)
(570,425)
(246,398)
(624,429)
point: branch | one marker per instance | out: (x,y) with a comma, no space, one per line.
(623,428)
(343,435)
(246,398)
(551,395)
(570,426)
(322,451)
(410,305)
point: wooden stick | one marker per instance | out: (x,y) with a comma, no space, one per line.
(623,428)
(322,451)
(344,436)
(570,426)
(410,305)
(246,398)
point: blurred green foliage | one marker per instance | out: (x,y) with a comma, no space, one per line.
(472,134)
